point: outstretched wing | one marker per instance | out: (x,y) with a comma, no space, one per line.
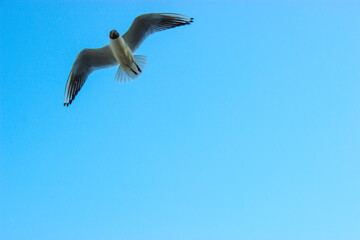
(147,24)
(87,61)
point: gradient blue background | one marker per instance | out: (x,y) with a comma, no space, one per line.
(244,125)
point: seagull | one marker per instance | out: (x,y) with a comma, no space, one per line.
(120,51)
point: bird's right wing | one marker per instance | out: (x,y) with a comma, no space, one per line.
(87,61)
(147,24)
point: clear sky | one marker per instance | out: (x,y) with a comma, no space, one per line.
(244,125)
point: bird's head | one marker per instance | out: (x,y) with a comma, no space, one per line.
(114,34)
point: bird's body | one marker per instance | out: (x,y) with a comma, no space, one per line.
(129,68)
(120,51)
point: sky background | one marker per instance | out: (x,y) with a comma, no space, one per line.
(244,125)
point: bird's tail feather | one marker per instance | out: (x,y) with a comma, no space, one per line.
(131,72)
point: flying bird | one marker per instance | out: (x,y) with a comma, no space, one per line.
(120,51)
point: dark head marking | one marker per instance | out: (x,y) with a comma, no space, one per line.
(114,34)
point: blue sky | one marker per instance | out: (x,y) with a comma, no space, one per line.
(244,125)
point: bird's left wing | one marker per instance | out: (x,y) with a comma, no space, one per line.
(147,24)
(87,61)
